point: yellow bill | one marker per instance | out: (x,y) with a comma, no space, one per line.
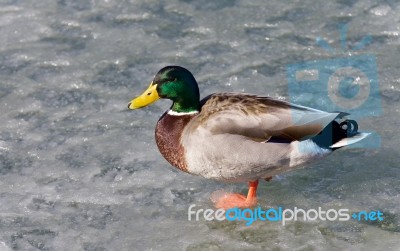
(148,97)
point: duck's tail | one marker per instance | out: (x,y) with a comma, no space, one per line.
(336,135)
(351,140)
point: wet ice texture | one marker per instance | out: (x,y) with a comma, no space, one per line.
(80,172)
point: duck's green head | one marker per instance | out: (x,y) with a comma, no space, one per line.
(175,83)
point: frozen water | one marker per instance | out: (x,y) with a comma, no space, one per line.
(78,171)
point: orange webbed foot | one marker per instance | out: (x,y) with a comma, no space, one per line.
(225,200)
(230,200)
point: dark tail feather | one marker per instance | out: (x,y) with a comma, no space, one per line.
(334,133)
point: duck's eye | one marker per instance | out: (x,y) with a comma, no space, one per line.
(149,93)
(169,80)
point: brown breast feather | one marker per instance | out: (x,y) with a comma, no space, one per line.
(168,138)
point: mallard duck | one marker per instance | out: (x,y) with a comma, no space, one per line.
(238,137)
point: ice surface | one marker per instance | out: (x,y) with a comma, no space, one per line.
(78,171)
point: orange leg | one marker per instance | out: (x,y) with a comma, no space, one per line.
(231,200)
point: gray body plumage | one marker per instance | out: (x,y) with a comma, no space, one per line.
(230,139)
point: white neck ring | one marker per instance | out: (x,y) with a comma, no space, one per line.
(171,112)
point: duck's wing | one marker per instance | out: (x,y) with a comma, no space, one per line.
(260,118)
